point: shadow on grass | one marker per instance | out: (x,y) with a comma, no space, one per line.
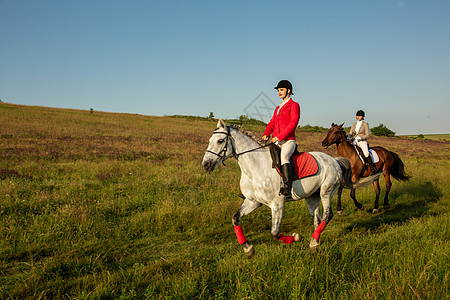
(409,201)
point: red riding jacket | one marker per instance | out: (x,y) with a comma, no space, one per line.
(284,123)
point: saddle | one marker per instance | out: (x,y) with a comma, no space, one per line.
(373,154)
(302,164)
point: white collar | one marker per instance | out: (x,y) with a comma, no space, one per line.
(282,104)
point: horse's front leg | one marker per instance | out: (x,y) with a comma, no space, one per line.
(353,196)
(246,208)
(277,215)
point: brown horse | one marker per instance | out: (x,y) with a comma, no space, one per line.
(389,164)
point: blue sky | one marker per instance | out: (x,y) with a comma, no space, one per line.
(389,58)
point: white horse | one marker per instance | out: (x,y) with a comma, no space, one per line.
(260,183)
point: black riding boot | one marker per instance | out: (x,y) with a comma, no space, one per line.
(371,165)
(287,179)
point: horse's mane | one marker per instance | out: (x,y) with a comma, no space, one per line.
(336,125)
(341,130)
(246,133)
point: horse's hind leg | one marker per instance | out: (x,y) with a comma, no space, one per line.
(313,208)
(376,185)
(326,194)
(313,202)
(246,208)
(387,178)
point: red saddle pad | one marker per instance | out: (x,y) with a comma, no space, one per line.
(305,164)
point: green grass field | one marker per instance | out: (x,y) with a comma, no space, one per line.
(432,137)
(99,205)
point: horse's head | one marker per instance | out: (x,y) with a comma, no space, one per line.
(334,135)
(220,147)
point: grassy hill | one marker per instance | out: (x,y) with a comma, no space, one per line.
(430,137)
(99,205)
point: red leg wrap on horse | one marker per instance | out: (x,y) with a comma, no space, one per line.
(240,234)
(289,239)
(318,231)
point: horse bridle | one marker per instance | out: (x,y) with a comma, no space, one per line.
(233,150)
(225,148)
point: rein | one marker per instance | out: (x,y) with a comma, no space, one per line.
(233,150)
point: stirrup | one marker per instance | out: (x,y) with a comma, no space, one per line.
(370,165)
(286,191)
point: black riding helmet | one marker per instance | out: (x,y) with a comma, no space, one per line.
(285,84)
(360,113)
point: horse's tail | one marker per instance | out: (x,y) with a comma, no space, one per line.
(398,169)
(346,169)
(347,175)
(363,182)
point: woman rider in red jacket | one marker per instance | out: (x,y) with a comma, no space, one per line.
(282,127)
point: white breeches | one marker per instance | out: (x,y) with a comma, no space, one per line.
(287,148)
(364,147)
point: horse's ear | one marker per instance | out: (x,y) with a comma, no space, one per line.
(221,124)
(340,126)
(332,124)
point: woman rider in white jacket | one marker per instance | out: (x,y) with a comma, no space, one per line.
(359,134)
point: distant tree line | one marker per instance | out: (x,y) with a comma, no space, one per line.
(380,130)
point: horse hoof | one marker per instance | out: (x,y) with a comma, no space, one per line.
(250,251)
(362,207)
(297,237)
(386,206)
(374,211)
(314,245)
(314,249)
(339,212)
